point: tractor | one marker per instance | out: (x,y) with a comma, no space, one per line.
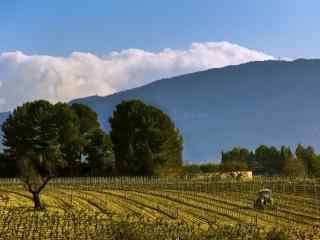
(264,199)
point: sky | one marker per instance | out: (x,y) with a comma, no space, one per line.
(59,50)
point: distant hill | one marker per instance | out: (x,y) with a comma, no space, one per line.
(269,102)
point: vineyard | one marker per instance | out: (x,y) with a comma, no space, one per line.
(114,208)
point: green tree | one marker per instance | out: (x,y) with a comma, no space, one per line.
(310,161)
(71,143)
(261,159)
(269,160)
(273,166)
(315,166)
(285,152)
(88,119)
(31,137)
(99,153)
(300,151)
(87,123)
(309,158)
(293,167)
(235,160)
(145,139)
(251,161)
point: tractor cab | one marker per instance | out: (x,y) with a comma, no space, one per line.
(264,199)
(264,193)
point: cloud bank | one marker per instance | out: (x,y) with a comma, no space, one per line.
(28,77)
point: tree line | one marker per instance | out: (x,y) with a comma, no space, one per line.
(143,140)
(265,160)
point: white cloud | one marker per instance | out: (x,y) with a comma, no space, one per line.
(28,77)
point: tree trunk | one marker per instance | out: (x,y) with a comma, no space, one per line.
(36,192)
(36,201)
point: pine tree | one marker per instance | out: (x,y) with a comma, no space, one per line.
(146,141)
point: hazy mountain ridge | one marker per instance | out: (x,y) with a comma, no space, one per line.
(269,102)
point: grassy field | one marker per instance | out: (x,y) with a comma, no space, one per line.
(144,208)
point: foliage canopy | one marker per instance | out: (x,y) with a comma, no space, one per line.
(145,139)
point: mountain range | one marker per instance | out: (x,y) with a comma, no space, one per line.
(268,102)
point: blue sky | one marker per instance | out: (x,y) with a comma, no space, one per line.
(288,28)
(64,49)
